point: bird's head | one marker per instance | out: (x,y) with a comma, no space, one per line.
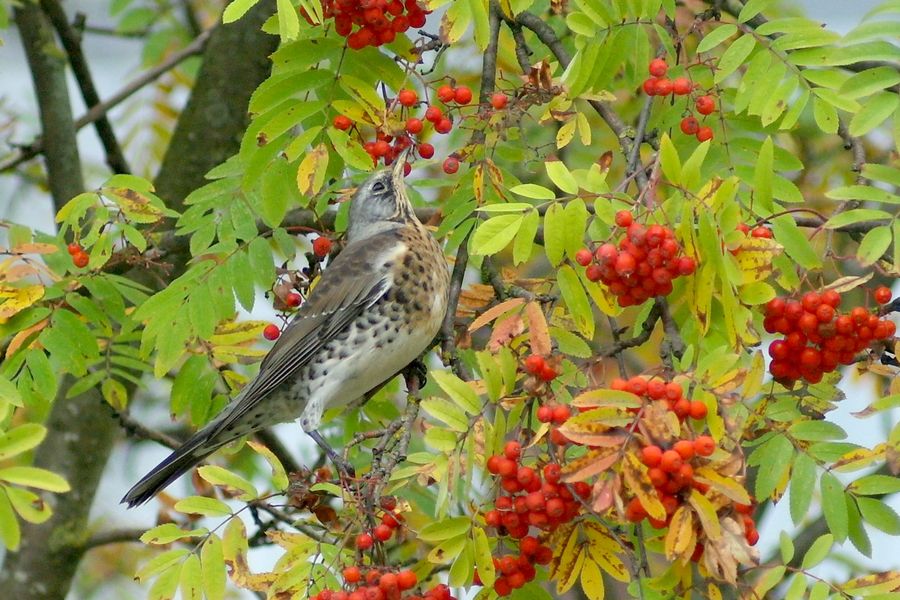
(380,203)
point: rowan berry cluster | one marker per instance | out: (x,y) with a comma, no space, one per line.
(817,336)
(641,266)
(390,522)
(377,22)
(381,584)
(80,258)
(657,389)
(514,571)
(536,497)
(659,85)
(557,414)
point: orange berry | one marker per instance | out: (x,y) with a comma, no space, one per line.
(499,100)
(658,67)
(698,410)
(651,455)
(321,246)
(406,580)
(704,445)
(684,448)
(342,122)
(671,461)
(407,97)
(364,541)
(352,574)
(882,295)
(81,259)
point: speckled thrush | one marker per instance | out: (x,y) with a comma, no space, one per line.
(376,308)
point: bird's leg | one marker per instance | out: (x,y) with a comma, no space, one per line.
(418,370)
(342,465)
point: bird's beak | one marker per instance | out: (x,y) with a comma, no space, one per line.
(399,163)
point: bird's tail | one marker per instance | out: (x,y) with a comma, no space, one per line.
(194,450)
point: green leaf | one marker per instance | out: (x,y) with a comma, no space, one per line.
(875,484)
(716,37)
(803,480)
(483,559)
(825,115)
(795,243)
(762,177)
(570,343)
(349,150)
(883,173)
(218,476)
(576,217)
(776,454)
(879,515)
(834,506)
(818,551)
(576,300)
(458,390)
(753,8)
(869,81)
(816,431)
(874,244)
(494,234)
(160,563)
(561,177)
(524,242)
(201,505)
(446,412)
(856,215)
(34,477)
(21,439)
(10,532)
(756,293)
(237,9)
(863,192)
(873,113)
(786,546)
(555,233)
(445,529)
(190,581)
(212,559)
(531,190)
(169,532)
(734,57)
(669,160)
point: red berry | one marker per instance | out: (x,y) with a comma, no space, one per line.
(414,126)
(388,502)
(552,473)
(512,450)
(706,105)
(545,414)
(352,574)
(462,95)
(704,134)
(407,97)
(651,455)
(381,148)
(321,246)
(649,86)
(624,218)
(761,232)
(426,150)
(81,259)
(406,580)
(658,67)
(534,364)
(493,464)
(682,86)
(342,122)
(293,300)
(388,582)
(752,537)
(882,295)
(446,94)
(704,445)
(594,273)
(271,332)
(684,448)
(686,265)
(499,100)
(433,114)
(663,87)
(444,125)
(74,248)
(390,519)
(671,461)
(584,257)
(451,165)
(689,126)
(548,373)
(493,518)
(561,414)
(364,541)
(698,410)
(383,532)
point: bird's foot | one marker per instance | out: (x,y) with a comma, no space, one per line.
(343,466)
(416,369)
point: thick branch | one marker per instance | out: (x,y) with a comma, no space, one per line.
(72,43)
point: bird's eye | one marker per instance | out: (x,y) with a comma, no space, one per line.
(378,187)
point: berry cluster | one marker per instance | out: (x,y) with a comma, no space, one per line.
(536,497)
(387,145)
(671,472)
(641,266)
(657,389)
(659,85)
(378,21)
(817,336)
(381,584)
(514,571)
(390,522)
(537,365)
(80,258)
(557,414)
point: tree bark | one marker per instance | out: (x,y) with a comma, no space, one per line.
(81,430)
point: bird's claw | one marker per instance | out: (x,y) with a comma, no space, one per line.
(418,370)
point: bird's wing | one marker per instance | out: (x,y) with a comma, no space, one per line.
(355,280)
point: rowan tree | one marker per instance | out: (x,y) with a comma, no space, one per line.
(672,236)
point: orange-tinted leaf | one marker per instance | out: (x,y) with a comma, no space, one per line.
(505,332)
(591,464)
(539,336)
(496,311)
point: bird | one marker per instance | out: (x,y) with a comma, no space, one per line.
(375,309)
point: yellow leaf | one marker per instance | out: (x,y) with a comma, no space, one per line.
(592,581)
(680,538)
(311,172)
(17,299)
(591,464)
(638,482)
(726,486)
(603,548)
(706,512)
(713,592)
(569,567)
(565,134)
(478,183)
(754,257)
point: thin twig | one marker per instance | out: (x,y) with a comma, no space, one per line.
(137,429)
(99,110)
(672,346)
(646,331)
(71,42)
(115,536)
(448,329)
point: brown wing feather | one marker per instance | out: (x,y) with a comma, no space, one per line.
(354,281)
